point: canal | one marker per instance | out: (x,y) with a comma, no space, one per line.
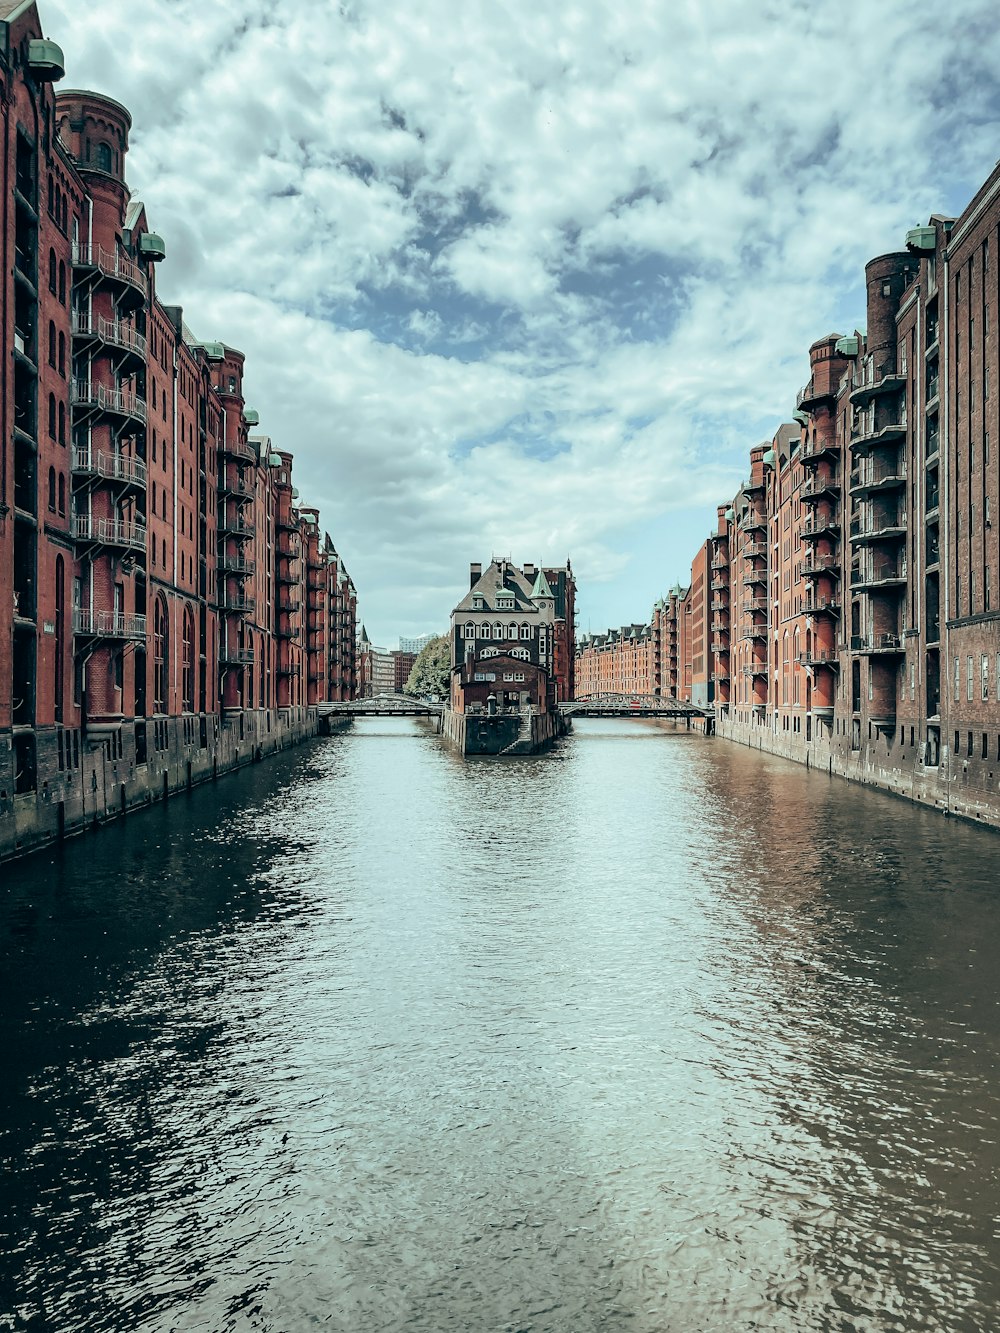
(651,1033)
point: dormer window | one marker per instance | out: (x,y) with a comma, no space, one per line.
(477,603)
(505,601)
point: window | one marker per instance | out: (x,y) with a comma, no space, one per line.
(62,354)
(525,631)
(470,629)
(52,416)
(160,647)
(62,282)
(484,631)
(52,490)
(958,680)
(968,678)
(62,495)
(62,423)
(52,272)
(985,673)
(52,343)
(187,661)
(103,158)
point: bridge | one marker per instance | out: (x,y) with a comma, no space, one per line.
(632,705)
(381,705)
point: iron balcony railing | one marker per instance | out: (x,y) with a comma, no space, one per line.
(235,656)
(109,532)
(112,264)
(238,449)
(110,467)
(238,604)
(814,605)
(114,331)
(876,643)
(104,399)
(235,564)
(885,525)
(108,624)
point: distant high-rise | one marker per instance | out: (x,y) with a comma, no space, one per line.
(415,645)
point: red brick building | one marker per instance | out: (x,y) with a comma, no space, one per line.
(622,661)
(166,608)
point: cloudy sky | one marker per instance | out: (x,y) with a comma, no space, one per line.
(530,278)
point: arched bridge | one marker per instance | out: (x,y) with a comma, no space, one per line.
(381,705)
(632,705)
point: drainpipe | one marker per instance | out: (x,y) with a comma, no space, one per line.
(944,466)
(173,655)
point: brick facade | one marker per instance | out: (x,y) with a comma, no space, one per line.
(166,608)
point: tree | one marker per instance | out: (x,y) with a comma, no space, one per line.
(431,673)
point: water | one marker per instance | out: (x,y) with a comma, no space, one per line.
(649,1034)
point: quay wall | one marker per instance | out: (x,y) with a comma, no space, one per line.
(961,784)
(477,733)
(81,785)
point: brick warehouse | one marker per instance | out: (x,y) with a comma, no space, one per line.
(855,602)
(167,609)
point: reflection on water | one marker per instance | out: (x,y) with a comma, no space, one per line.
(651,1033)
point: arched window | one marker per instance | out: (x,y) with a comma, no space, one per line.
(187,662)
(52,490)
(52,194)
(62,423)
(62,494)
(62,353)
(103,157)
(52,416)
(161,644)
(52,272)
(62,281)
(52,342)
(470,629)
(525,631)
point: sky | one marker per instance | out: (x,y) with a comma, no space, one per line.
(526,278)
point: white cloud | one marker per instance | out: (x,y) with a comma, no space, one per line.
(522,277)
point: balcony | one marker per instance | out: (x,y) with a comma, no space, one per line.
(234,525)
(754,520)
(755,632)
(869,645)
(821,525)
(238,449)
(112,332)
(883,477)
(720,585)
(755,669)
(719,563)
(109,532)
(755,551)
(818,606)
(100,398)
(285,574)
(91,624)
(813,450)
(114,266)
(813,395)
(236,564)
(289,669)
(868,437)
(887,574)
(720,604)
(753,577)
(128,471)
(871,383)
(235,656)
(720,646)
(289,545)
(814,564)
(236,488)
(720,626)
(817,657)
(289,603)
(819,488)
(752,604)
(720,677)
(237,604)
(886,527)
(288,632)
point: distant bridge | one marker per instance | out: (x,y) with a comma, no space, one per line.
(632,705)
(381,705)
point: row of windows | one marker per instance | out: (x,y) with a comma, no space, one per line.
(970,678)
(488,631)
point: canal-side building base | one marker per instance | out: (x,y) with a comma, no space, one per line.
(82,785)
(959,784)
(504,734)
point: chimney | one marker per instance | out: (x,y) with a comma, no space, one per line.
(475,574)
(529,571)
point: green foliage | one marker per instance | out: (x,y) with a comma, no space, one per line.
(431,672)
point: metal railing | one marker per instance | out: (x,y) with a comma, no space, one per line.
(876,643)
(114,331)
(104,399)
(111,264)
(111,467)
(108,624)
(235,656)
(109,532)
